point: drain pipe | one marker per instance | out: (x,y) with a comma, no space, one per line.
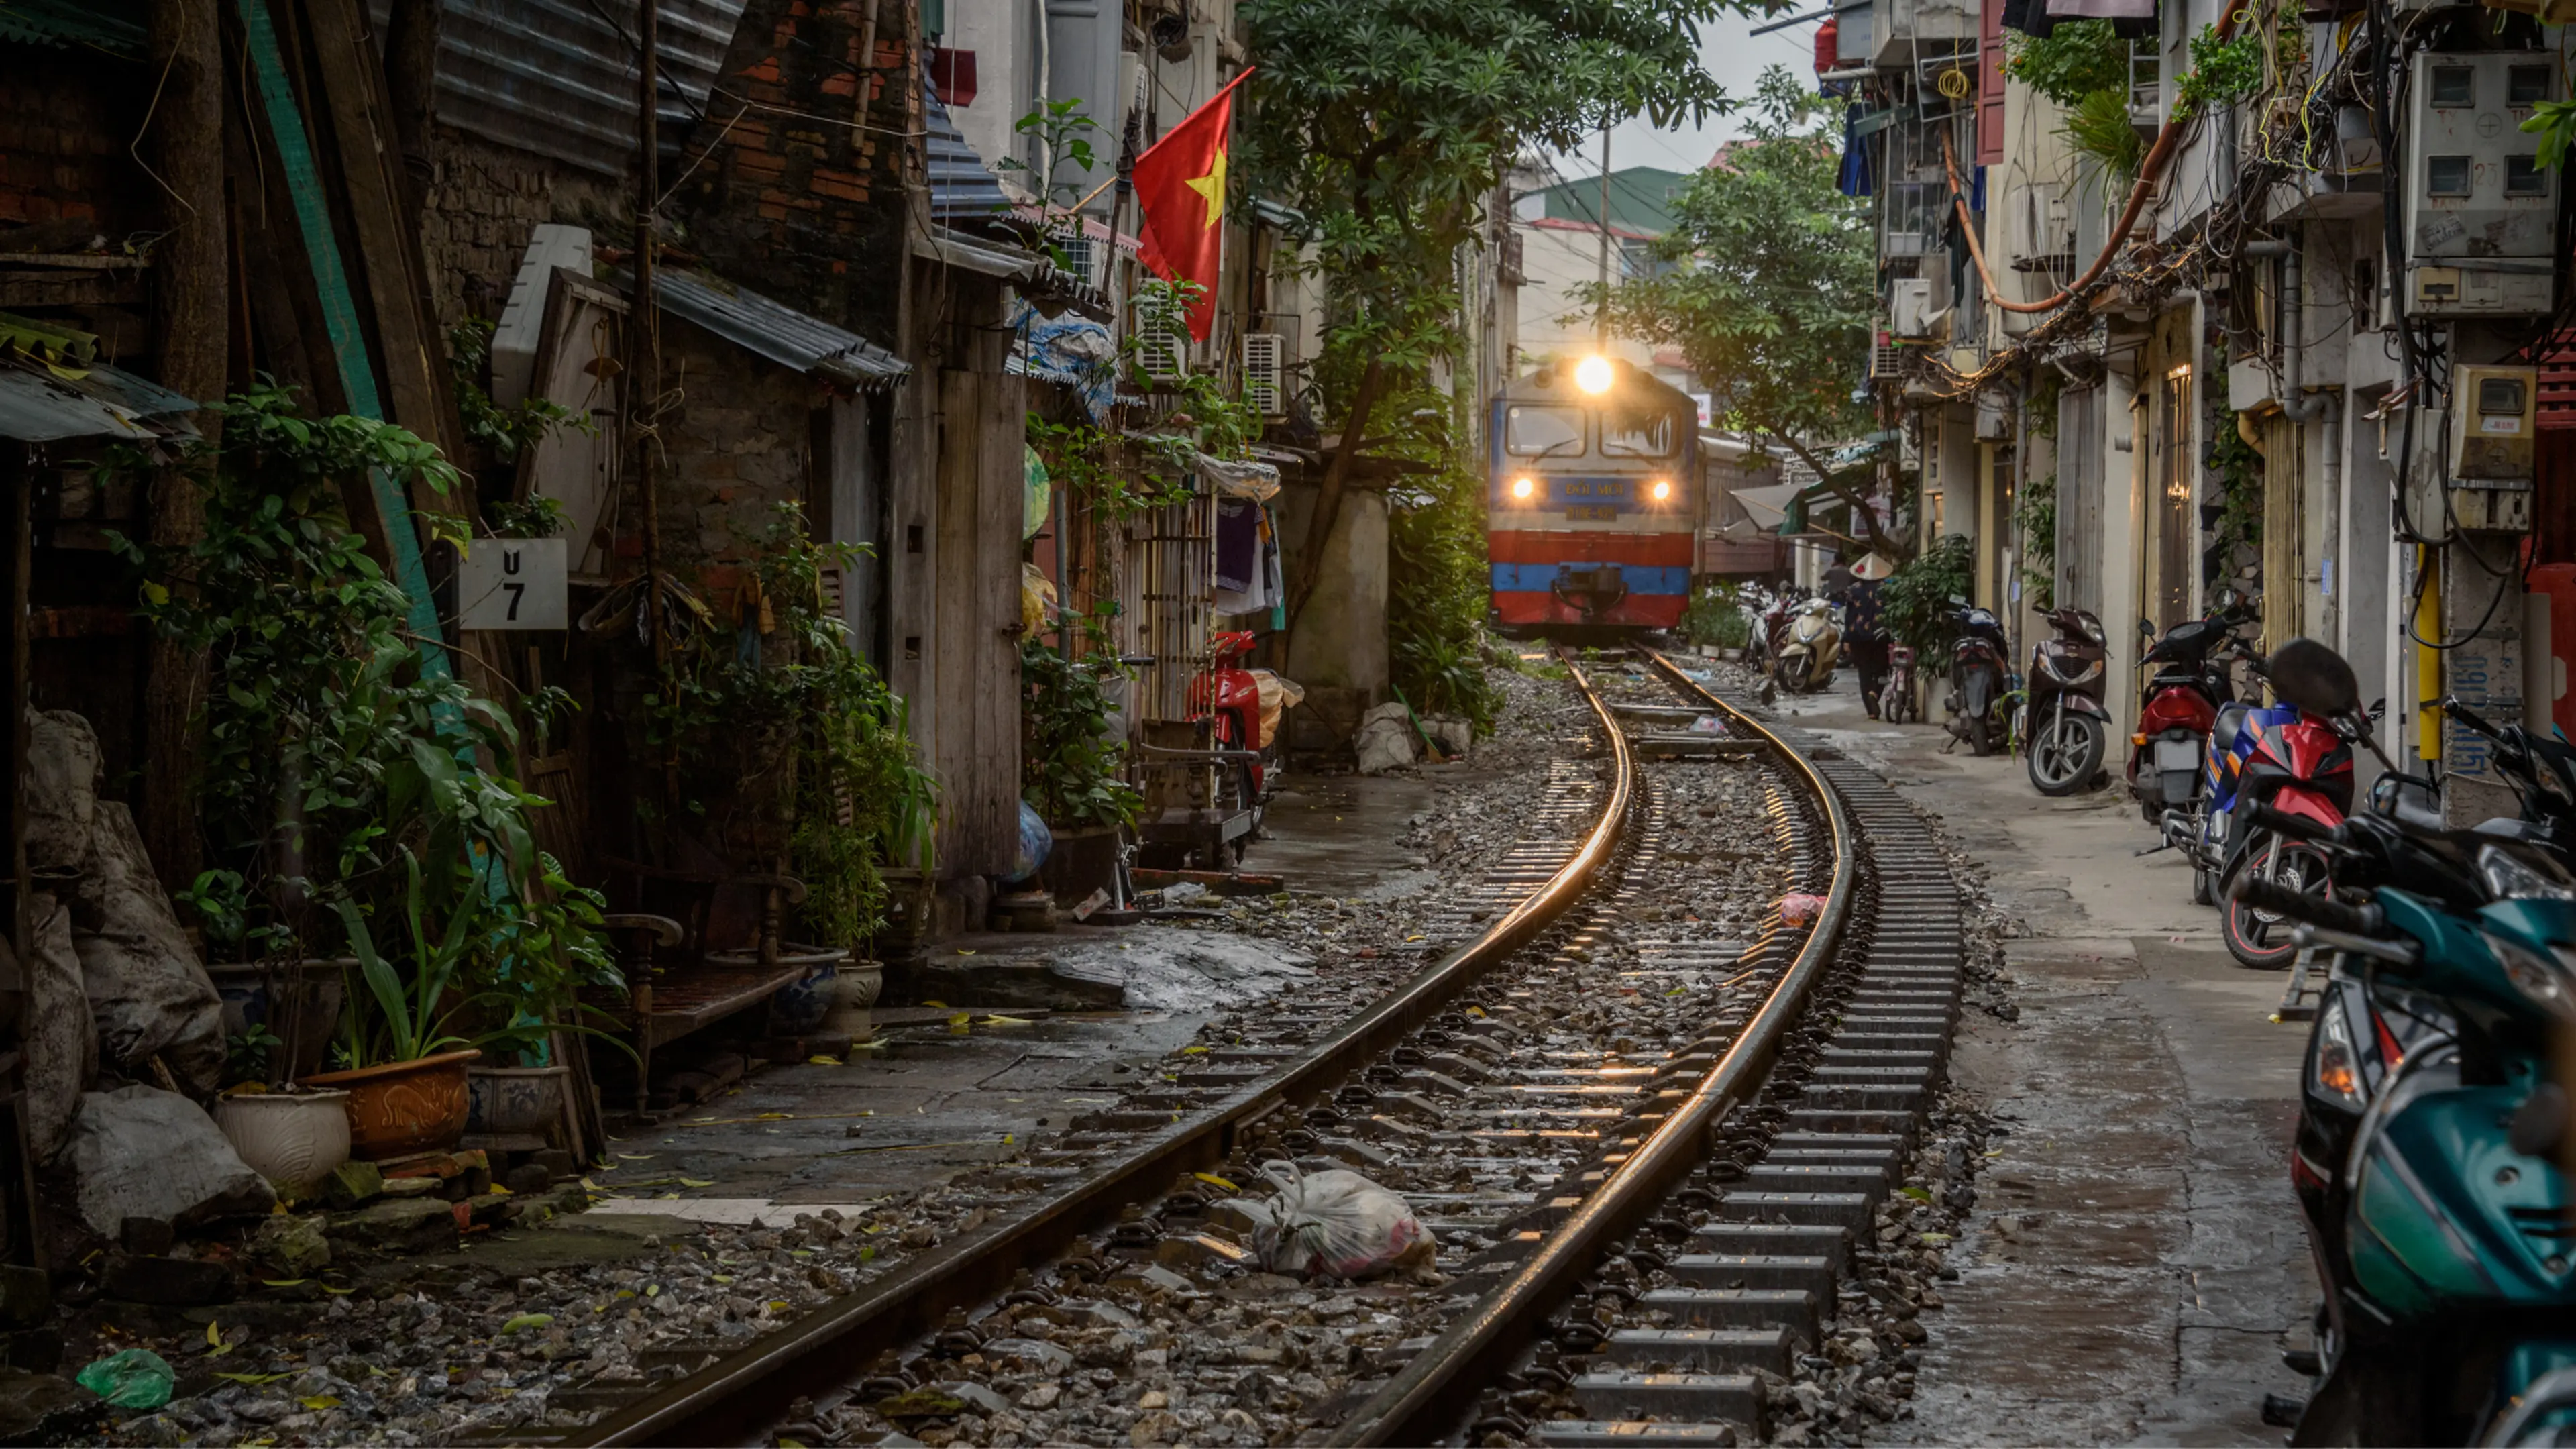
(2300,408)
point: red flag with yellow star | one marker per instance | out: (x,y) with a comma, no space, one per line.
(1180,183)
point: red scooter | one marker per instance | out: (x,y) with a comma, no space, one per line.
(1228,697)
(2180,704)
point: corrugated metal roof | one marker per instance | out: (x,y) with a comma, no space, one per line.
(774,330)
(557,77)
(962,187)
(39,407)
(115,26)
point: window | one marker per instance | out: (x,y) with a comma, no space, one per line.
(2446,175)
(2523,177)
(2454,86)
(1541,432)
(2526,86)
(1638,435)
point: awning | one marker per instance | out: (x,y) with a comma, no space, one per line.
(1768,507)
(775,331)
(115,26)
(1034,275)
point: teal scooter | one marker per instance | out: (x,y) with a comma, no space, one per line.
(2446,1244)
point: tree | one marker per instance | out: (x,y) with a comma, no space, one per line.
(1773,308)
(1389,125)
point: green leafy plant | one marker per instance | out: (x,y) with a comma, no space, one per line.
(1716,617)
(248,1052)
(1915,600)
(2223,71)
(1070,760)
(1064,138)
(2076,59)
(1439,583)
(504,430)
(2035,515)
(409,994)
(2239,475)
(2554,122)
(535,516)
(2097,129)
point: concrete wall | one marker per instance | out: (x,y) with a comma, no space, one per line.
(1338,647)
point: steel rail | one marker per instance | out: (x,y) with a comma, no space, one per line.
(1437,1391)
(735,1399)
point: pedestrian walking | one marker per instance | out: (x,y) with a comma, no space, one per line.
(1864,631)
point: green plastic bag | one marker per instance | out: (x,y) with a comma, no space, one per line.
(137,1378)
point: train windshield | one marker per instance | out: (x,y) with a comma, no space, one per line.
(1534,431)
(1639,434)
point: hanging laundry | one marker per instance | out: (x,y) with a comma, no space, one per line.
(1238,545)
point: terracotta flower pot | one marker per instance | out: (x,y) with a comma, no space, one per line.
(515,1101)
(290,1138)
(405,1107)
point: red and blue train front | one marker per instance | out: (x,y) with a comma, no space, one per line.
(1641,580)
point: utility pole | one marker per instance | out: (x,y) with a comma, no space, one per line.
(643,354)
(1601,314)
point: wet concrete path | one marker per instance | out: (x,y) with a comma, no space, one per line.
(2135,1265)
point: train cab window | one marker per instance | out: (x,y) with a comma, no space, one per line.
(1639,435)
(1538,431)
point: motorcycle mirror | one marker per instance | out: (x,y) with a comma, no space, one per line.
(2378,709)
(1960,600)
(2408,800)
(2147,627)
(2313,677)
(2227,598)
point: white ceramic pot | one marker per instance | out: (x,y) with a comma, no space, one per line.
(290,1138)
(860,984)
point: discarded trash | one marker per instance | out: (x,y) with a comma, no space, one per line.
(1799,908)
(1090,903)
(1708,724)
(135,1378)
(1036,842)
(1334,1224)
(1385,740)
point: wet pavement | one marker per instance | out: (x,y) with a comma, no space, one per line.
(2135,1265)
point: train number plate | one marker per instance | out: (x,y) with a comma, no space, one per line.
(1591,513)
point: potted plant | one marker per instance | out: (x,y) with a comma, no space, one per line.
(1071,757)
(538,955)
(406,1072)
(290,1138)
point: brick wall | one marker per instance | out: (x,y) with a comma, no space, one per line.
(792,199)
(65,119)
(737,445)
(482,203)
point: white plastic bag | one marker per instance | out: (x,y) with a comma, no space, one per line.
(1334,1224)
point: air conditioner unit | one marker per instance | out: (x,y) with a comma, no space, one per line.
(1909,307)
(1265,373)
(1162,341)
(2043,236)
(2481,219)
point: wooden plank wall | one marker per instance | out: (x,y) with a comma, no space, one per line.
(975,670)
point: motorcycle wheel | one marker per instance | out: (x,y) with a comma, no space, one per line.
(2260,939)
(1978,743)
(1234,794)
(2201,892)
(2064,753)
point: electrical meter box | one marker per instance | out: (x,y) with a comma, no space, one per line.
(2481,214)
(2492,421)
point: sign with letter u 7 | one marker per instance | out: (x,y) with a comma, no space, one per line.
(512,583)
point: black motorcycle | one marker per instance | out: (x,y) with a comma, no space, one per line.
(1979,678)
(2065,727)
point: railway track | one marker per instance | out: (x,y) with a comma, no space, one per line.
(1646,1122)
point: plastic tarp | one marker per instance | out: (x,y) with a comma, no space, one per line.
(1243,478)
(1072,350)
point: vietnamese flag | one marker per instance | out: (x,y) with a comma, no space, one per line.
(1180,184)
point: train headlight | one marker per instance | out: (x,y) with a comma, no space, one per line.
(1522,488)
(1663,490)
(1593,375)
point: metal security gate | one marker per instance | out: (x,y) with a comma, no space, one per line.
(1166,593)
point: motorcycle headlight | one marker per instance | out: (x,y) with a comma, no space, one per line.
(2514,877)
(2092,628)
(2547,977)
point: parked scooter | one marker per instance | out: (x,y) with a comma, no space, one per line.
(2181,702)
(1226,694)
(2064,725)
(2429,1154)
(2292,763)
(1897,701)
(1979,678)
(1811,642)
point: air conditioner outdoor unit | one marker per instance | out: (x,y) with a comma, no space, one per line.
(1162,341)
(1909,307)
(1265,373)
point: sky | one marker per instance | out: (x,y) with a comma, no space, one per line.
(1736,60)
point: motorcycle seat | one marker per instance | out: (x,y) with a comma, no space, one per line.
(2231,716)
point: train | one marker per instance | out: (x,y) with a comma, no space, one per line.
(1594,498)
